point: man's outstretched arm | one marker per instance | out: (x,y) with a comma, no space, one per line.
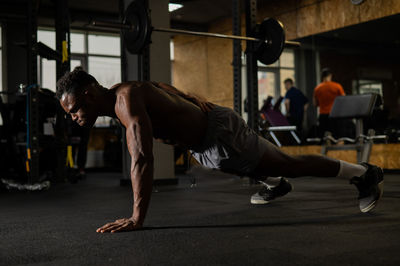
(131,111)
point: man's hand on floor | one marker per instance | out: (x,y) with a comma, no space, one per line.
(121,225)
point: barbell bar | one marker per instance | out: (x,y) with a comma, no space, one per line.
(117,25)
(137,29)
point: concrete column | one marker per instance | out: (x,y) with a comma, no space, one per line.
(160,70)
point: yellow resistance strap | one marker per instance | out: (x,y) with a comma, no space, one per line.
(28,157)
(70,160)
(64,52)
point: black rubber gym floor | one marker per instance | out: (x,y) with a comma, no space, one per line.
(212,224)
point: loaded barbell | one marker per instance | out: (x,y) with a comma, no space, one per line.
(137,29)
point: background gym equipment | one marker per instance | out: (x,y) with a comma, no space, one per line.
(355,107)
(45,51)
(137,29)
(273,123)
(15,140)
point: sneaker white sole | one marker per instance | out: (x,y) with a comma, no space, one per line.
(258,202)
(373,204)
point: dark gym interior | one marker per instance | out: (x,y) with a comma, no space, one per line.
(60,182)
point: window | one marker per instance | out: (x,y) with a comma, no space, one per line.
(77,43)
(106,70)
(271,77)
(282,69)
(266,86)
(363,86)
(171,50)
(99,54)
(104,45)
(47,68)
(172,58)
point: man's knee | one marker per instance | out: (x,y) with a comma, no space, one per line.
(276,163)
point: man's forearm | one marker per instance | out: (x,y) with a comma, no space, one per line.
(142,183)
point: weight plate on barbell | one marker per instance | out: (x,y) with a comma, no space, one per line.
(139,35)
(267,52)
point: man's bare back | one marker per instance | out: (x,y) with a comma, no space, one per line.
(174,119)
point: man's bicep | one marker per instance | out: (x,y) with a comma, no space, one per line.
(139,140)
(139,136)
(139,133)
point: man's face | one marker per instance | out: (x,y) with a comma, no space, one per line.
(288,85)
(80,107)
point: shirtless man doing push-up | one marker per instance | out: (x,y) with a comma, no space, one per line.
(217,137)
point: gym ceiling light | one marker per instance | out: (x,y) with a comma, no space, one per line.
(172,7)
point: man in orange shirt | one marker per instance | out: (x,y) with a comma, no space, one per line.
(324,96)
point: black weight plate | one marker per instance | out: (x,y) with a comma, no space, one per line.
(138,37)
(272,30)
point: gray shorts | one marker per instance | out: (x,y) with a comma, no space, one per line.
(230,145)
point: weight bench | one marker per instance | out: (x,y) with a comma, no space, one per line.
(275,121)
(354,107)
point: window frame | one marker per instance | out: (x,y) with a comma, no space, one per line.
(83,57)
(274,68)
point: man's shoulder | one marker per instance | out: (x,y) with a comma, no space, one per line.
(291,92)
(319,86)
(328,85)
(335,84)
(296,90)
(128,88)
(129,96)
(128,92)
(335,87)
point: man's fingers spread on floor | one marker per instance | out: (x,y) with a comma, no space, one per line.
(116,229)
(121,228)
(112,227)
(107,226)
(104,227)
(116,226)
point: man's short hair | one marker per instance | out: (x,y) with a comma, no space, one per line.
(325,72)
(289,80)
(73,81)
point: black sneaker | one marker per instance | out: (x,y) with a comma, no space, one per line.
(370,186)
(267,194)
